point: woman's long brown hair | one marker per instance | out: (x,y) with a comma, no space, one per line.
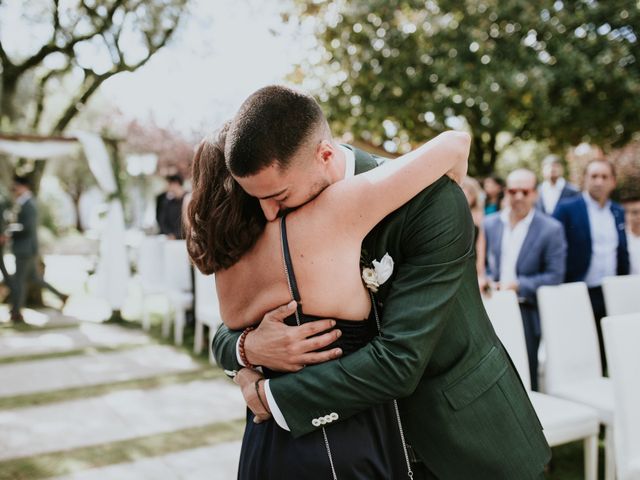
(223,222)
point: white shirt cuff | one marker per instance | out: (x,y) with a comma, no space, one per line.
(238,357)
(273,406)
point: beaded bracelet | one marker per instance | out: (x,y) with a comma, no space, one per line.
(241,340)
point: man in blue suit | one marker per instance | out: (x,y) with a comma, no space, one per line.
(525,250)
(554,187)
(596,240)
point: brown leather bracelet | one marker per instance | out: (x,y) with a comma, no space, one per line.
(257,384)
(243,355)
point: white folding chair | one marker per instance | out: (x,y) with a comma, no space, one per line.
(621,294)
(207,310)
(563,421)
(178,287)
(621,341)
(150,271)
(573,368)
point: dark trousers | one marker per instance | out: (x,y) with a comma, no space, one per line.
(599,311)
(531,325)
(26,272)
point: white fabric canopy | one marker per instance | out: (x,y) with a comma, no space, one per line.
(37,149)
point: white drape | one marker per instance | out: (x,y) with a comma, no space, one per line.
(112,273)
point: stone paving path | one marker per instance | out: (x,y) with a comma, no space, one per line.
(117,416)
(67,339)
(130,414)
(91,369)
(219,462)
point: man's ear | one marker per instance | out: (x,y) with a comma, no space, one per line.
(325,152)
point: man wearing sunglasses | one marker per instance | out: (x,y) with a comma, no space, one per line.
(525,250)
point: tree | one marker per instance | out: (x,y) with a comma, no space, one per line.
(86,42)
(396,72)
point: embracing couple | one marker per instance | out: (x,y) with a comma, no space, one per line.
(352,315)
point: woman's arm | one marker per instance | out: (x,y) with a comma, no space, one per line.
(360,202)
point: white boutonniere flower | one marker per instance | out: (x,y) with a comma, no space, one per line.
(370,279)
(380,273)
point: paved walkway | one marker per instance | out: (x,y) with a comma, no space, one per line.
(92,368)
(219,462)
(68,339)
(130,415)
(116,416)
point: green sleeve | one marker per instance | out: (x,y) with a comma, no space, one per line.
(224,348)
(431,241)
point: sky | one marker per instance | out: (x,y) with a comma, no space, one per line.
(223,52)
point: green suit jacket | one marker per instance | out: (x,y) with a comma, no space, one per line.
(462,404)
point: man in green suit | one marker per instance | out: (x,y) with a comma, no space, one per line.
(24,245)
(465,412)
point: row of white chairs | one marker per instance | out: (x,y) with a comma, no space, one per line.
(164,269)
(563,420)
(578,397)
(621,294)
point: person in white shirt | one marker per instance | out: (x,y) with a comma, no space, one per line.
(554,187)
(595,230)
(632,214)
(525,250)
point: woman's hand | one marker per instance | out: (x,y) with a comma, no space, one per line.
(255,399)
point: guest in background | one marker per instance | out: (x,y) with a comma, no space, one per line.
(169,208)
(596,240)
(4,238)
(554,187)
(525,250)
(493,187)
(475,198)
(632,214)
(24,243)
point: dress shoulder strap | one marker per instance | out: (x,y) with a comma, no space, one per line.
(288,264)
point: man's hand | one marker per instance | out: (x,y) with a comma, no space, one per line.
(279,347)
(509,286)
(247,379)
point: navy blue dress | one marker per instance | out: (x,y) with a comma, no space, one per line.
(366,446)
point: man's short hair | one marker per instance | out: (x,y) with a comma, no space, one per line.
(270,126)
(174,178)
(551,159)
(612,167)
(21,180)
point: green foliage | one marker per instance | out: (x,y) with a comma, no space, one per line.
(400,71)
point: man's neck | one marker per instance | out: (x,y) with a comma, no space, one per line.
(515,219)
(340,164)
(602,202)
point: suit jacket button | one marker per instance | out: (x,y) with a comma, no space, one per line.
(334,416)
(328,418)
(315,422)
(322,420)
